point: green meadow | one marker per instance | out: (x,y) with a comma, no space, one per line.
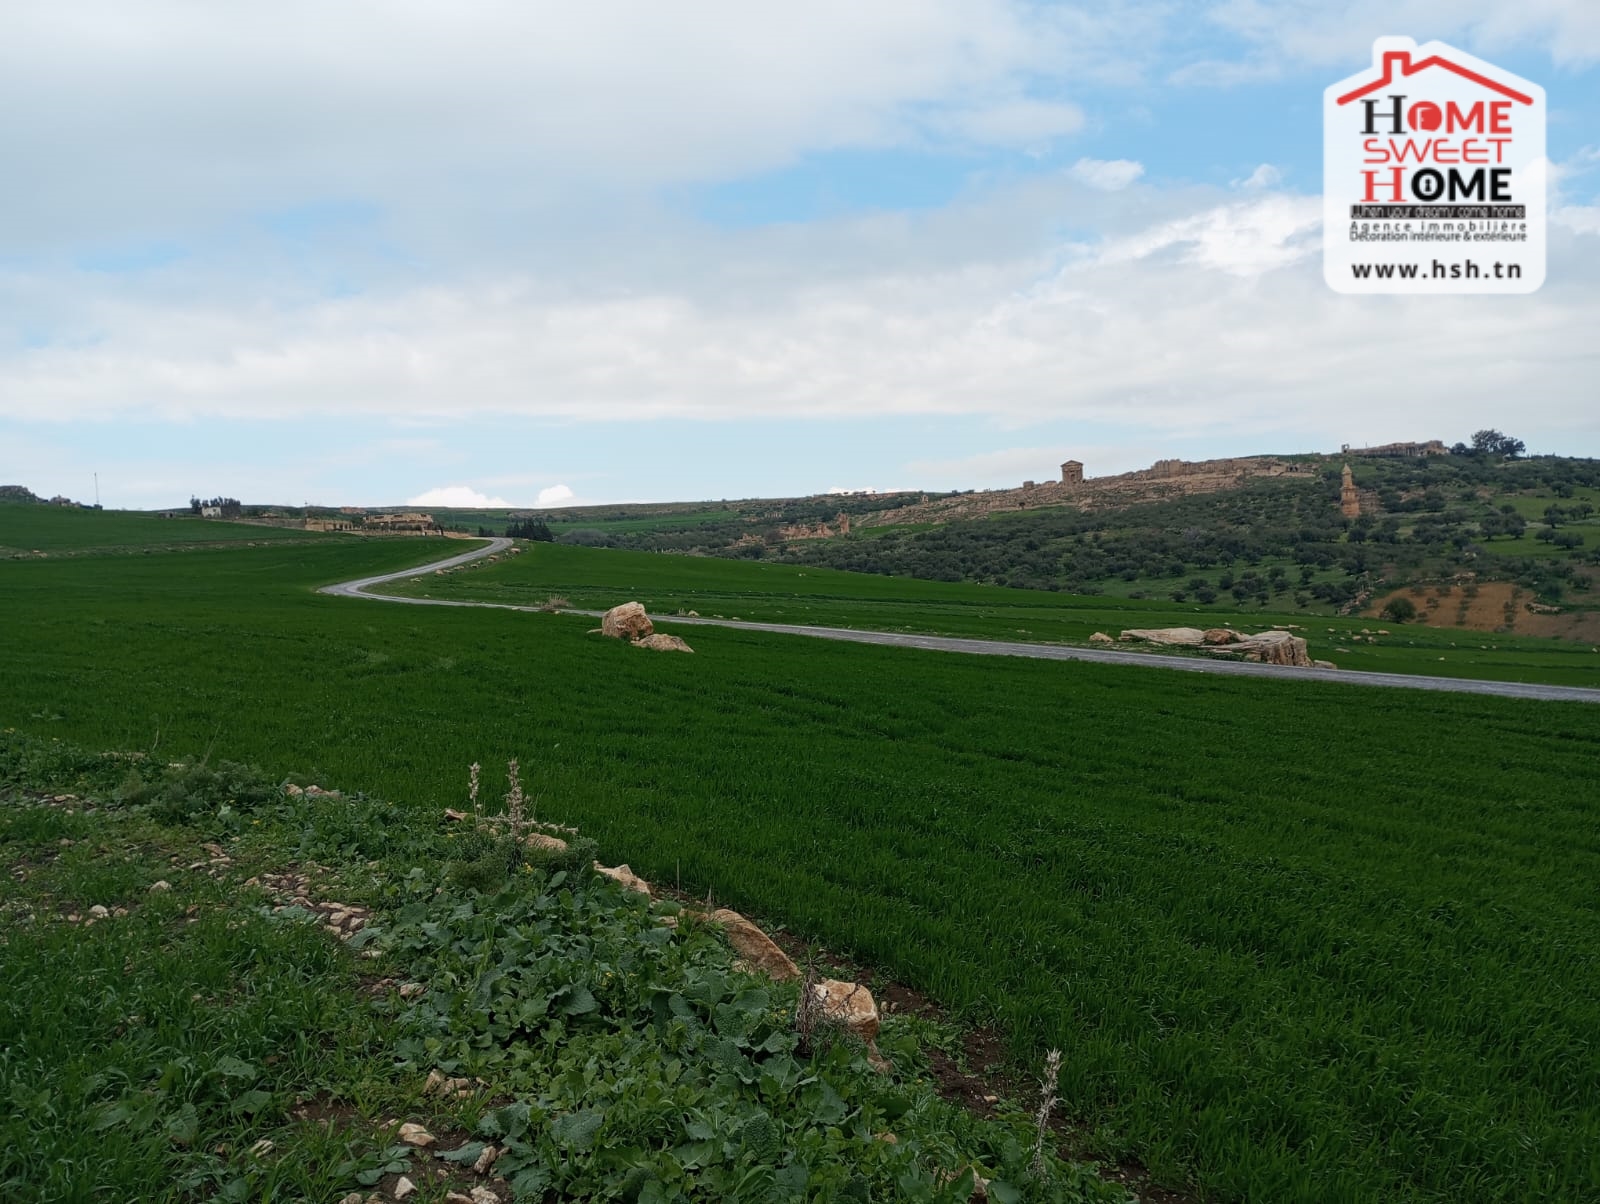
(779,593)
(27,530)
(1296,941)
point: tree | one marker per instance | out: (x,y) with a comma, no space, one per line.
(1400,610)
(1491,442)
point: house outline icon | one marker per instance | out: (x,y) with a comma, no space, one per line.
(1397,64)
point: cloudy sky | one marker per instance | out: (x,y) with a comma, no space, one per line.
(347,251)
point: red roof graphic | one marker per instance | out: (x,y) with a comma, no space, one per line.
(1402,58)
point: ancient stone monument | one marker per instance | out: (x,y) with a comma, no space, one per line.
(1349,499)
(1072,473)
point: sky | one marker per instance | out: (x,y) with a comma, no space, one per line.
(518,252)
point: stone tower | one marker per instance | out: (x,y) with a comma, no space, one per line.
(1349,499)
(1072,473)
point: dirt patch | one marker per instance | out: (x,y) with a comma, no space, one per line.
(1492,606)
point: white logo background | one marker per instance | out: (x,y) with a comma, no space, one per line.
(1444,253)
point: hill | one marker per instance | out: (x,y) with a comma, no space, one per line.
(1255,533)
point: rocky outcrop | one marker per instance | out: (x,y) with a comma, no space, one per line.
(626,622)
(1101,637)
(661,642)
(1269,648)
(1174,637)
(1221,635)
(754,947)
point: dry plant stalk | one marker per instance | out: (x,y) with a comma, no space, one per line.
(1047,1101)
(808,1009)
(472,792)
(514,799)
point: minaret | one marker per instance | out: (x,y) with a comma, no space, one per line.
(1349,499)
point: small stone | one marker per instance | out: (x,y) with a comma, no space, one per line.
(625,876)
(100,911)
(161,885)
(410,990)
(456,1197)
(404,1188)
(482,1195)
(261,1148)
(486,1160)
(353,1197)
(120,912)
(416,1135)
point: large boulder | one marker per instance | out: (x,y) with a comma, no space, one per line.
(626,622)
(1222,635)
(1270,648)
(662,642)
(849,1005)
(1176,637)
(755,947)
(1101,637)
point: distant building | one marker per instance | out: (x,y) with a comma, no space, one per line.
(410,521)
(1072,473)
(329,524)
(1433,447)
(210,511)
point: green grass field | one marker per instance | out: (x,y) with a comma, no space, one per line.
(667,585)
(1297,941)
(25,529)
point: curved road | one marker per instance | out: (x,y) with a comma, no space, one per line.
(362,588)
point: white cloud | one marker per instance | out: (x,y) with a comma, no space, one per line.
(215,113)
(1242,239)
(1290,33)
(554,495)
(1203,312)
(1108,175)
(462,497)
(1020,122)
(1265,176)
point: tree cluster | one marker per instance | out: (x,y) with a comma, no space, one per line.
(230,506)
(535,529)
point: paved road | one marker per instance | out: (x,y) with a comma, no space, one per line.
(362,588)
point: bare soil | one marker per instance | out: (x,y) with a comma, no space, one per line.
(1492,606)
